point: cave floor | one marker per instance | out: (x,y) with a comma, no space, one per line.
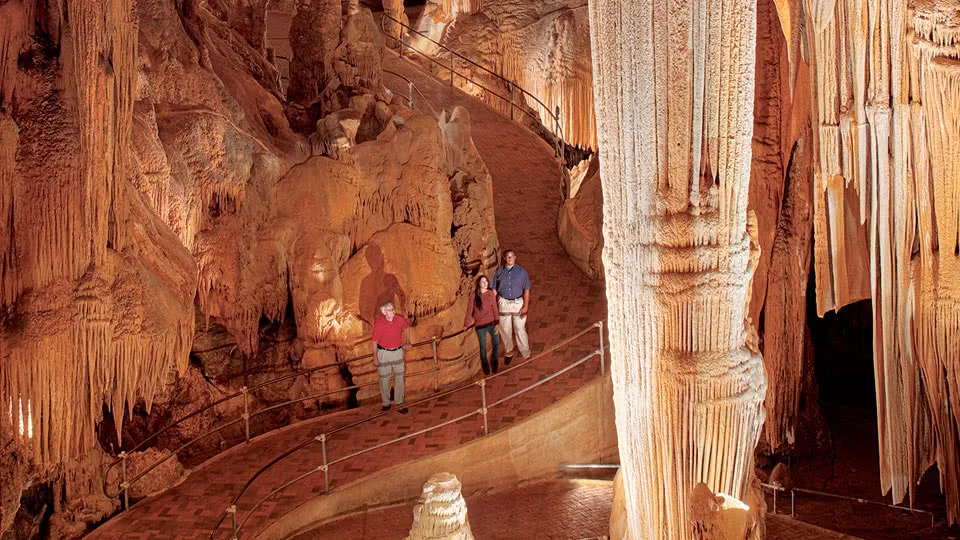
(561,509)
(527,197)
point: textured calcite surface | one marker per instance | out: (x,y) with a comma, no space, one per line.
(543,46)
(162,200)
(883,85)
(441,512)
(674,94)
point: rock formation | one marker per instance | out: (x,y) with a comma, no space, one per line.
(157,205)
(885,211)
(722,517)
(541,46)
(441,512)
(674,98)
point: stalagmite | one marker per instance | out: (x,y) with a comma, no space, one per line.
(314,35)
(441,512)
(674,99)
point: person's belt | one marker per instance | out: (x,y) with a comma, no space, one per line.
(386,349)
(517,298)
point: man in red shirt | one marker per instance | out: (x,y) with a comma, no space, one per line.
(391,335)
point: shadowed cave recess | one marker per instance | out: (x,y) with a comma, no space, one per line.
(204,203)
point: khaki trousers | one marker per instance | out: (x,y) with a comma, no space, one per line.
(391,363)
(513,326)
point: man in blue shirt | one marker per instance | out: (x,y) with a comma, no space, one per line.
(512,285)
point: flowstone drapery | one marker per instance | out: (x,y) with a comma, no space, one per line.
(885,80)
(674,89)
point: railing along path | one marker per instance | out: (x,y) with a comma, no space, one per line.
(247,414)
(323,438)
(510,86)
(244,392)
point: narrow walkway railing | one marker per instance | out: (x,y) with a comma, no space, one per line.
(325,463)
(411,88)
(511,87)
(803,491)
(247,413)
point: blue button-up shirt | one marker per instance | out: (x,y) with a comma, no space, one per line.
(511,282)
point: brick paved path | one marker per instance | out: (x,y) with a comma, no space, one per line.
(564,510)
(526,192)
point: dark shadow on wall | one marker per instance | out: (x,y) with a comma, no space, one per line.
(379,287)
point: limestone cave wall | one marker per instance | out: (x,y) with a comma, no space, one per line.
(167,237)
(542,46)
(883,83)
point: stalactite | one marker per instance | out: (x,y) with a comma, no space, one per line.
(679,249)
(97,321)
(887,78)
(549,60)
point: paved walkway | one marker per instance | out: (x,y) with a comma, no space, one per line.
(564,510)
(564,301)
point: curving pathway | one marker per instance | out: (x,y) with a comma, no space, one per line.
(564,301)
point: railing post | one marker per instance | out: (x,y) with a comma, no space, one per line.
(232,510)
(600,325)
(401,42)
(410,94)
(792,507)
(124,485)
(483,399)
(511,100)
(451,69)
(775,499)
(323,450)
(246,413)
(436,366)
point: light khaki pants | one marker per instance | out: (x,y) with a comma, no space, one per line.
(391,362)
(513,326)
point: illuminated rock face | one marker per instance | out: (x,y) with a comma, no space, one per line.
(886,188)
(149,179)
(441,512)
(542,46)
(674,100)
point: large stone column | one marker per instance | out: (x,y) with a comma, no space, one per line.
(674,88)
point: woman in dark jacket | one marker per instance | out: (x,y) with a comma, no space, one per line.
(482,312)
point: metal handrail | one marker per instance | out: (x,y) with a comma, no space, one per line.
(794,490)
(558,129)
(482,411)
(247,414)
(411,87)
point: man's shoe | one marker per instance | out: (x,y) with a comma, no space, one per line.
(385,408)
(402,410)
(507,359)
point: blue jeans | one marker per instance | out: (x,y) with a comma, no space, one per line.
(482,333)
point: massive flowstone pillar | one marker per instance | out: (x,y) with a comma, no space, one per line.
(674,89)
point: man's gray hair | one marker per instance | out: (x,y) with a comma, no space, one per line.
(384,306)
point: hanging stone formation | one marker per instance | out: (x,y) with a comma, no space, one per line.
(674,87)
(98,291)
(886,85)
(441,512)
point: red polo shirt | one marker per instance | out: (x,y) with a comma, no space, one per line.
(389,335)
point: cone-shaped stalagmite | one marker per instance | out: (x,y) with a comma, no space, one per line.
(441,512)
(674,87)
